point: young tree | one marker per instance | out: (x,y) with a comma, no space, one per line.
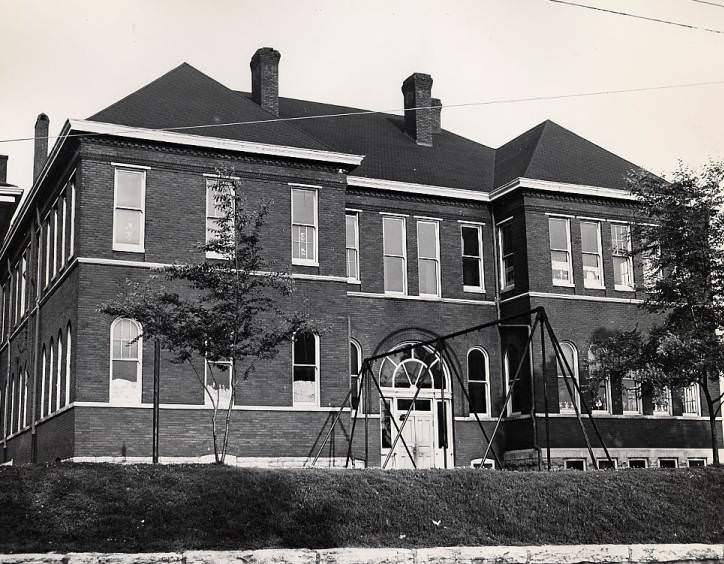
(680,241)
(227,310)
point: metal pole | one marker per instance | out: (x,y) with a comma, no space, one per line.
(536,446)
(443,405)
(365,385)
(513,384)
(326,438)
(156,395)
(545,396)
(399,434)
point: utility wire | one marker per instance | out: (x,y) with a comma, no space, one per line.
(618,13)
(371,112)
(710,3)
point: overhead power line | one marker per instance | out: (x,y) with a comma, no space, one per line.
(370,112)
(710,3)
(629,15)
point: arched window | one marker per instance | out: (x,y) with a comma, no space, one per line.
(51,377)
(478,381)
(126,354)
(511,362)
(59,394)
(25,399)
(602,397)
(567,403)
(355,366)
(305,362)
(43,384)
(12,403)
(67,364)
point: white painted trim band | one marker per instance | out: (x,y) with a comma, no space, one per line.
(422,189)
(419,298)
(573,297)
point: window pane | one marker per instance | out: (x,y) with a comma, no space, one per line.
(506,235)
(351,230)
(565,401)
(303,238)
(591,267)
(619,238)
(394,274)
(629,398)
(558,233)
(212,204)
(589,237)
(128,226)
(476,391)
(622,271)
(426,240)
(304,384)
(352,264)
(471,244)
(471,271)
(129,188)
(354,359)
(393,236)
(600,400)
(559,263)
(428,276)
(476,365)
(386,424)
(303,206)
(305,350)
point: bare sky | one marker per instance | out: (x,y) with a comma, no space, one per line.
(72,58)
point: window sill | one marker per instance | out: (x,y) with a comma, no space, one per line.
(129,249)
(594,287)
(623,288)
(354,281)
(474,289)
(395,294)
(431,297)
(634,413)
(507,288)
(563,284)
(301,262)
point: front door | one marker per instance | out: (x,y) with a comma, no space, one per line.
(420,433)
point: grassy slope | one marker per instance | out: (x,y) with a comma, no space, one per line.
(142,508)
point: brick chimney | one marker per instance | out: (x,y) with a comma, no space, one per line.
(3,169)
(265,79)
(436,109)
(418,123)
(42,126)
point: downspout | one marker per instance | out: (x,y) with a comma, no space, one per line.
(36,340)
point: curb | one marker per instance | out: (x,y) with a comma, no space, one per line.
(546,554)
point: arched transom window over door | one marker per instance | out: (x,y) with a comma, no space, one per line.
(419,368)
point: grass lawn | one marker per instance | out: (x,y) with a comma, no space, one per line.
(99,507)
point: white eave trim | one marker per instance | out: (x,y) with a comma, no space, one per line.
(425,189)
(564,187)
(212,142)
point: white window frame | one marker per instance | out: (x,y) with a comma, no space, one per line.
(599,460)
(486,382)
(639,409)
(676,461)
(139,367)
(403,233)
(51,375)
(694,390)
(566,461)
(68,350)
(508,374)
(63,226)
(505,284)
(698,459)
(616,285)
(130,247)
(480,289)
(55,241)
(356,248)
(489,463)
(210,184)
(586,282)
(317,373)
(71,252)
(436,258)
(315,192)
(663,413)
(556,281)
(2,312)
(358,377)
(644,460)
(59,368)
(207,400)
(559,375)
(43,383)
(24,405)
(23,284)
(47,250)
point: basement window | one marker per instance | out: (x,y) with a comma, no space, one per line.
(668,463)
(575,464)
(637,463)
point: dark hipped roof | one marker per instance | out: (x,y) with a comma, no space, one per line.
(186,96)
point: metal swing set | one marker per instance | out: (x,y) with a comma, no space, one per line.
(368,381)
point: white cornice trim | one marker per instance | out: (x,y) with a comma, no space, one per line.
(419,298)
(564,187)
(212,142)
(424,189)
(573,297)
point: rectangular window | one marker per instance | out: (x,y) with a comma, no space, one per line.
(696,462)
(23,283)
(305,363)
(606,464)
(662,403)
(304,227)
(668,463)
(56,255)
(630,399)
(637,463)
(395,251)
(2,314)
(622,262)
(472,251)
(428,258)
(47,250)
(218,383)
(129,210)
(213,213)
(690,401)
(71,252)
(352,246)
(602,397)
(16,300)
(559,234)
(578,464)
(63,226)
(507,257)
(592,254)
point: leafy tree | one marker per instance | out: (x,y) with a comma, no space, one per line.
(225,309)
(680,242)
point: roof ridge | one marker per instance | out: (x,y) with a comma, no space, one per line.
(543,126)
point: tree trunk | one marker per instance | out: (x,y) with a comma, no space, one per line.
(712,422)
